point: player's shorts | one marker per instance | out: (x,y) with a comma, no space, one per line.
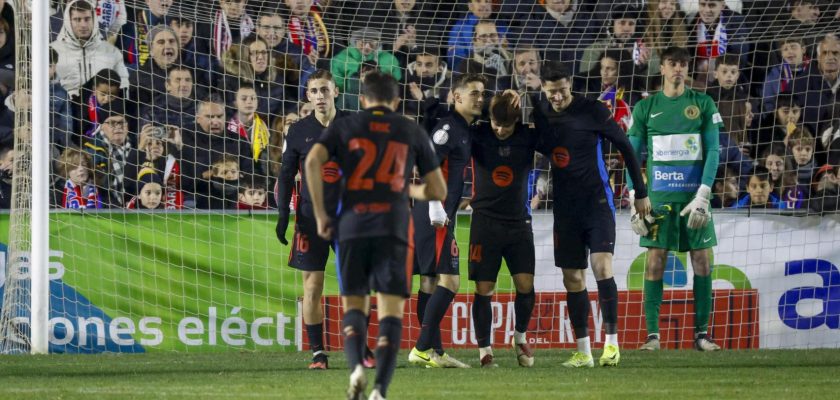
(581,227)
(670,230)
(492,239)
(437,251)
(383,264)
(309,251)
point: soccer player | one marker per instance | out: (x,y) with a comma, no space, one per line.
(309,252)
(679,127)
(571,129)
(377,149)
(437,251)
(503,156)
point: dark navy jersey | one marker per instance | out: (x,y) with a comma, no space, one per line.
(378,150)
(300,139)
(571,139)
(452,138)
(500,173)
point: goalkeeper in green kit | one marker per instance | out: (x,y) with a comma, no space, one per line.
(679,127)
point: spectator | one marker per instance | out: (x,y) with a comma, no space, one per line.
(666,27)
(826,190)
(219,188)
(801,20)
(271,27)
(525,79)
(425,77)
(780,123)
(307,30)
(176,106)
(250,128)
(781,77)
(488,53)
(759,193)
(112,18)
(150,195)
(620,33)
(230,25)
(801,145)
(462,35)
(734,141)
(611,81)
(75,189)
(109,147)
(726,188)
(141,18)
(277,141)
(61,122)
(725,87)
(366,46)
(274,81)
(251,194)
(99,92)
(203,67)
(158,152)
(208,143)
(7,169)
(150,79)
(560,27)
(717,31)
(783,179)
(82,52)
(407,28)
(820,91)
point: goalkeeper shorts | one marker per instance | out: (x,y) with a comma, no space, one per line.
(670,230)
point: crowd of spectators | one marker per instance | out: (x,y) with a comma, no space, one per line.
(176,104)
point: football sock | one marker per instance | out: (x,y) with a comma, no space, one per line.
(583,346)
(519,337)
(388,345)
(579,313)
(608,297)
(315,333)
(435,310)
(653,300)
(482,316)
(523,306)
(702,302)
(611,338)
(483,351)
(355,337)
(422,302)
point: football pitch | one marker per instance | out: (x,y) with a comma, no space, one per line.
(804,374)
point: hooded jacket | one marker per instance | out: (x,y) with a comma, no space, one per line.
(78,62)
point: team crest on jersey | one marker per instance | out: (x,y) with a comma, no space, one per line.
(441,136)
(504,151)
(692,112)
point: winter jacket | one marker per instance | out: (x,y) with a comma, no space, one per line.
(78,62)
(169,110)
(349,61)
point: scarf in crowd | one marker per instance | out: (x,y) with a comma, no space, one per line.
(93,108)
(117,162)
(258,137)
(613,99)
(222,36)
(78,197)
(303,33)
(716,46)
(108,14)
(141,43)
(789,72)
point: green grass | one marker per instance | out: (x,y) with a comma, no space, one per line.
(805,374)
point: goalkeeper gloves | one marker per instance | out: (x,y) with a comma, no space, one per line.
(698,209)
(637,223)
(437,214)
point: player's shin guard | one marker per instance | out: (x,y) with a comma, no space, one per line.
(608,298)
(355,337)
(387,347)
(702,303)
(482,318)
(523,306)
(315,333)
(653,301)
(579,312)
(422,303)
(435,310)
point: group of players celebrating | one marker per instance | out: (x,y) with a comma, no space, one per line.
(357,185)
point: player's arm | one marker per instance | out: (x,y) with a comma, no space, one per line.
(433,187)
(698,210)
(316,159)
(614,133)
(637,138)
(286,182)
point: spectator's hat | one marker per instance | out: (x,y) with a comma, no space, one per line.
(818,173)
(366,33)
(624,11)
(157,29)
(148,175)
(114,108)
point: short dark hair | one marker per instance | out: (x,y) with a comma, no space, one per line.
(674,53)
(787,99)
(210,99)
(177,67)
(251,181)
(554,71)
(465,79)
(380,87)
(761,173)
(320,74)
(729,59)
(246,85)
(108,77)
(503,111)
(181,20)
(81,5)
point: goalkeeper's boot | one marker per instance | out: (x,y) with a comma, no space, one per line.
(651,343)
(370,359)
(447,361)
(427,358)
(375,395)
(610,357)
(704,342)
(579,360)
(320,361)
(358,382)
(524,355)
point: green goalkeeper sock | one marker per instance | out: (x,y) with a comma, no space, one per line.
(702,302)
(653,300)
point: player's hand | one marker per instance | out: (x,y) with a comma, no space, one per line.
(640,216)
(437,215)
(325,228)
(698,209)
(415,91)
(280,229)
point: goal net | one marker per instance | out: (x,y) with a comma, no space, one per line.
(168,121)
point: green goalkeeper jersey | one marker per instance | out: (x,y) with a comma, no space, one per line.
(681,136)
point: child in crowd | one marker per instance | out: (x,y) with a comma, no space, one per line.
(778,125)
(759,193)
(104,88)
(252,194)
(76,186)
(725,87)
(220,188)
(801,144)
(825,196)
(780,78)
(726,188)
(150,195)
(783,180)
